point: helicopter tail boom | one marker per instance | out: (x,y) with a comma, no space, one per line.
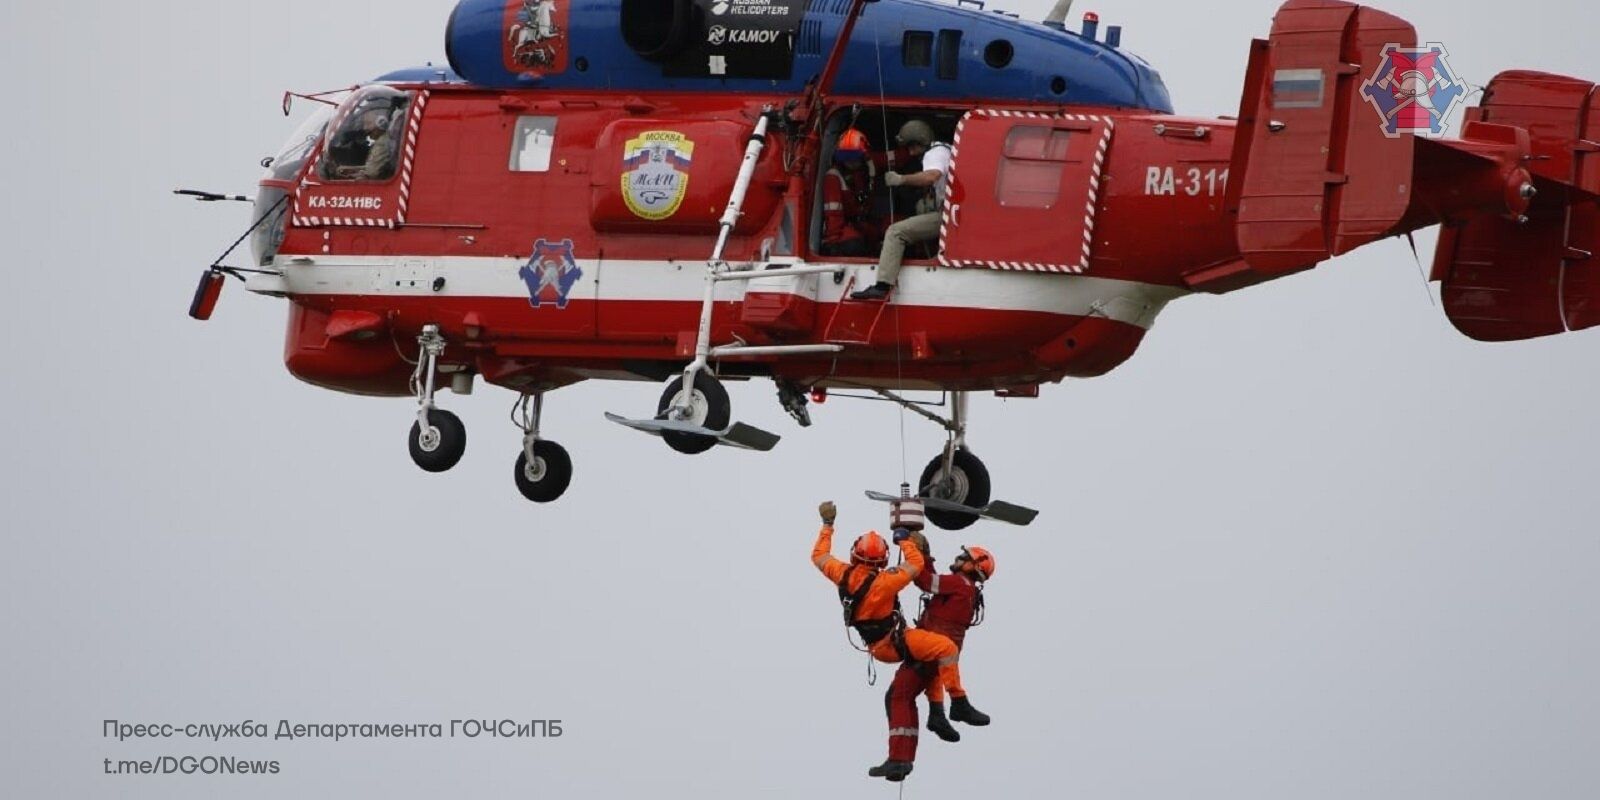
(1340,144)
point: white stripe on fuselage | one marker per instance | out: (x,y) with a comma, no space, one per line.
(1130,302)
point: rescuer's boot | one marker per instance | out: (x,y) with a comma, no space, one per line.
(961,710)
(940,725)
(876,291)
(891,770)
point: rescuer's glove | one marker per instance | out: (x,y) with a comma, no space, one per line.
(922,544)
(828,511)
(894,178)
(901,534)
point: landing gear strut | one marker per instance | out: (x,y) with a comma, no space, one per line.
(955,485)
(544,470)
(693,415)
(956,474)
(438,439)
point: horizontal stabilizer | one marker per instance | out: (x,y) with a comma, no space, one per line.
(1505,279)
(740,435)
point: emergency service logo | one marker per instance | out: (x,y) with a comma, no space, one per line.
(550,273)
(655,173)
(1414,90)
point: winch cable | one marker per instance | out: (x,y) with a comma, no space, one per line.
(888,144)
(1420,271)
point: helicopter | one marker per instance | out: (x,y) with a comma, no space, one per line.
(631,190)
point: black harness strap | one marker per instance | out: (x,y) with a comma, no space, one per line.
(871,630)
(851,600)
(897,638)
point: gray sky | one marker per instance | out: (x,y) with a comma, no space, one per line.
(1308,543)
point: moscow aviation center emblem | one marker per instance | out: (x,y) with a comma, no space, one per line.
(550,273)
(1414,90)
(655,173)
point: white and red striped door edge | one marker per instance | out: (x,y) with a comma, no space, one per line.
(962,236)
(400,203)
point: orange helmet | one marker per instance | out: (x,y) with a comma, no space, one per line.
(852,146)
(870,549)
(982,561)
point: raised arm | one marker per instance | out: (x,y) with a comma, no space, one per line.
(822,550)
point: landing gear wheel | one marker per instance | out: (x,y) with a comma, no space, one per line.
(967,484)
(708,408)
(547,476)
(440,447)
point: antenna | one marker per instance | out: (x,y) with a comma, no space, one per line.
(1057,18)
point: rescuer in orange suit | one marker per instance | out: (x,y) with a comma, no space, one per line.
(847,225)
(953,603)
(869,591)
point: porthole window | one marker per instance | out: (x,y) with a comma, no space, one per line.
(948,58)
(1058,85)
(998,53)
(916,48)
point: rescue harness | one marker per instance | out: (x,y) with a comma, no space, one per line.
(977,605)
(891,626)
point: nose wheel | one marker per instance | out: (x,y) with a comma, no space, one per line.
(438,438)
(543,470)
(439,444)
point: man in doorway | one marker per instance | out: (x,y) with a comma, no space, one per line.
(917,137)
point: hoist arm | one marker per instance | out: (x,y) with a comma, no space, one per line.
(830,70)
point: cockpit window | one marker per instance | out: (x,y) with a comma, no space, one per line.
(363,141)
(272,198)
(285,166)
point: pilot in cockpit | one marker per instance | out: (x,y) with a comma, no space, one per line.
(379,163)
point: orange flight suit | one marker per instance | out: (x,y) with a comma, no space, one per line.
(847,227)
(920,645)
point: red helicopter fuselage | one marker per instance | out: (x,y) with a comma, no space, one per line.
(541,227)
(1036,312)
